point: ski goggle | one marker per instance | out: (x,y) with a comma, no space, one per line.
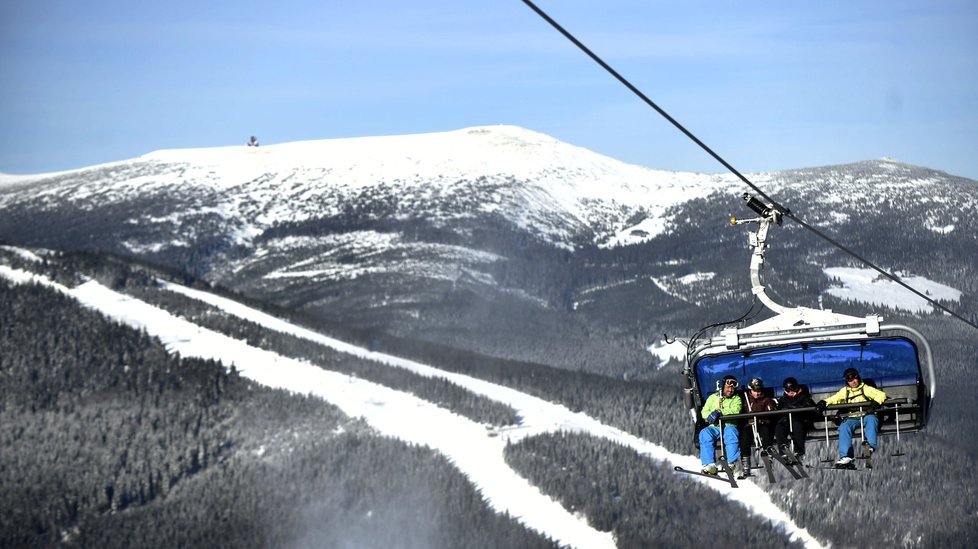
(731,383)
(851,377)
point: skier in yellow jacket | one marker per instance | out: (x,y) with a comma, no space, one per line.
(855,391)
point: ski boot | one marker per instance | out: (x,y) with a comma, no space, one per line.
(742,468)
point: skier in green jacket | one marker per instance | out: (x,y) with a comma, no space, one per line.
(723,402)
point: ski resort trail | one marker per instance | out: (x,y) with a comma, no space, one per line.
(467,444)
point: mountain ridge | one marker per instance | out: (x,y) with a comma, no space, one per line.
(317,176)
(552,188)
(443,235)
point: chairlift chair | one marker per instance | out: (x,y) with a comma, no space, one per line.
(815,347)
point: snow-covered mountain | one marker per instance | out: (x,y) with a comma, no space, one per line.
(530,252)
(552,189)
(450,236)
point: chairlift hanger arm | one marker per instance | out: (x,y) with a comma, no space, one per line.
(758,243)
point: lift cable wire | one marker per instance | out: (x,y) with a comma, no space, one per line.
(784,211)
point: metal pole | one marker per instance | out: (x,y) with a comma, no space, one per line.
(791,432)
(825,420)
(862,432)
(897,452)
(723,450)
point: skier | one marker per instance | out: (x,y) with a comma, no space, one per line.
(855,391)
(755,400)
(724,401)
(253,142)
(796,426)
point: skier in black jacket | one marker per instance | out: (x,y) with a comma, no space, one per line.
(794,397)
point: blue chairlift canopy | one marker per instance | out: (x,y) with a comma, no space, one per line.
(819,366)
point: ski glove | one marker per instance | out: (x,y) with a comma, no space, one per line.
(821,406)
(712,418)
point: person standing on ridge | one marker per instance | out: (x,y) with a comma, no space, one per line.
(725,401)
(855,391)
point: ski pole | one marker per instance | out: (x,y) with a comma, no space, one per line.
(862,431)
(825,421)
(897,452)
(791,431)
(723,450)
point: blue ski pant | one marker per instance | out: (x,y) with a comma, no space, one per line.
(708,439)
(870,427)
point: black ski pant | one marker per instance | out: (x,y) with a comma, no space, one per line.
(797,431)
(764,431)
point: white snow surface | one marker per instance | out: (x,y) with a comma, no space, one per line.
(677,286)
(468,445)
(868,286)
(666,352)
(538,182)
(24,254)
(377,252)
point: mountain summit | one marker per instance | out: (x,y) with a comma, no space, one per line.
(550,188)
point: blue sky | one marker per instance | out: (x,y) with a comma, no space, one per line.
(768,85)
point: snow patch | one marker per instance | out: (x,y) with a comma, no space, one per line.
(24,254)
(868,286)
(675,286)
(154,247)
(350,255)
(668,352)
(695,277)
(644,231)
(946,229)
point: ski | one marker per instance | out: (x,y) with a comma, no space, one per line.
(846,468)
(777,457)
(679,469)
(730,475)
(767,467)
(793,459)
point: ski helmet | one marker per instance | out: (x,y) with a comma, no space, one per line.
(756,384)
(729,380)
(790,384)
(851,374)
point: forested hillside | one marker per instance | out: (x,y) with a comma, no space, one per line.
(127,433)
(111,442)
